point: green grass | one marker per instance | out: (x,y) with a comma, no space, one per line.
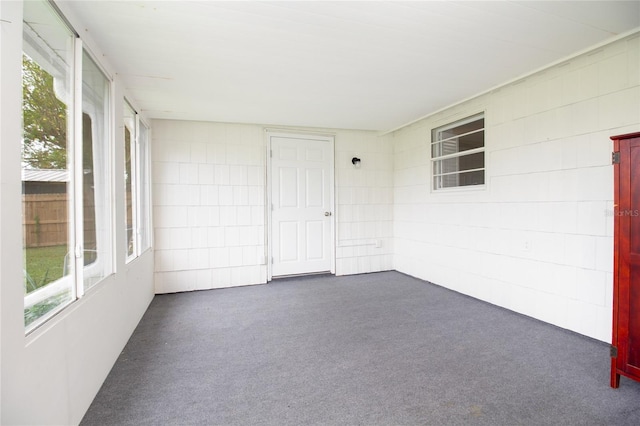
(44,265)
(39,309)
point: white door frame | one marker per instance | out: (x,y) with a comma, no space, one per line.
(268,206)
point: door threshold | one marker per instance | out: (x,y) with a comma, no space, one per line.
(308,274)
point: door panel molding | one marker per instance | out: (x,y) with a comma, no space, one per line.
(310,184)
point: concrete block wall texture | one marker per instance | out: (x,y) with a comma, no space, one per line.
(209,192)
(364,203)
(209,204)
(538,237)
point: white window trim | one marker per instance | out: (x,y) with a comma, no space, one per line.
(134,187)
(103,244)
(77,181)
(137,192)
(144,194)
(75,279)
(434,160)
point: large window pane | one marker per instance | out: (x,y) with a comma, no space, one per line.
(96,171)
(145,187)
(47,84)
(457,153)
(129,177)
(462,143)
(462,163)
(137,184)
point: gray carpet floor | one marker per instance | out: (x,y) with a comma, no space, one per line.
(374,349)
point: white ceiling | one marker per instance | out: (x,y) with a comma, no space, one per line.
(354,65)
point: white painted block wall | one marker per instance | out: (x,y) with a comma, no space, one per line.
(364,202)
(537,238)
(209,191)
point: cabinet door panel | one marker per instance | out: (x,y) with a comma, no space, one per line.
(632,218)
(626,292)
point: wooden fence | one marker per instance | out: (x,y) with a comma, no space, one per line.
(45,221)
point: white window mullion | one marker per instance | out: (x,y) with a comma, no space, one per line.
(145,196)
(458,172)
(459,154)
(461,122)
(135,166)
(439,141)
(131,171)
(78,172)
(112,182)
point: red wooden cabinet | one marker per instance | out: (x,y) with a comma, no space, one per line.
(625,347)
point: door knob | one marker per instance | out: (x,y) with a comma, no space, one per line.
(327,213)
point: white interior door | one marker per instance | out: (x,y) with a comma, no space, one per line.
(302,205)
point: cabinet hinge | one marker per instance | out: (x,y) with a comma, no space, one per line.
(613,352)
(615,157)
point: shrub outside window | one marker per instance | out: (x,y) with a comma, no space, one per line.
(457,153)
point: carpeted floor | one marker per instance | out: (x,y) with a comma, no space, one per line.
(375,349)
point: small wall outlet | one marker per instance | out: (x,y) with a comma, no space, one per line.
(526,246)
(378,244)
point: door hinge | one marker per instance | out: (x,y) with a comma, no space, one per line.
(613,352)
(271,153)
(615,157)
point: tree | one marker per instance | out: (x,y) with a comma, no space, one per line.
(44,143)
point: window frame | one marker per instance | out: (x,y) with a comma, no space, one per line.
(143,144)
(437,161)
(129,114)
(140,153)
(74,270)
(105,243)
(40,53)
